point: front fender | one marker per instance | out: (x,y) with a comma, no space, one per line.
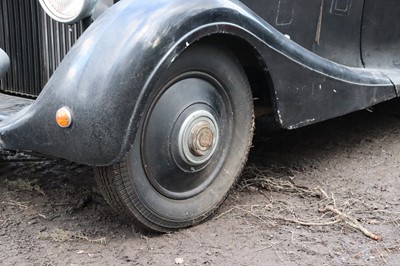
(106,78)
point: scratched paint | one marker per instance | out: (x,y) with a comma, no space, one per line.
(285,12)
(341,7)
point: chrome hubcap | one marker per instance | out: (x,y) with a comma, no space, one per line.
(198,137)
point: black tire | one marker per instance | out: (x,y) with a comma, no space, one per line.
(191,146)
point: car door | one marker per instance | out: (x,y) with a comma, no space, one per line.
(330,28)
(381,34)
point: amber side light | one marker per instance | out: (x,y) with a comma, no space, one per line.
(64,117)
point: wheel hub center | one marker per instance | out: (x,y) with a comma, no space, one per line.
(201,139)
(198,137)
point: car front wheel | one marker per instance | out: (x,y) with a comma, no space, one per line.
(191,145)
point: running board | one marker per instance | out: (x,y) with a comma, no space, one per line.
(10,105)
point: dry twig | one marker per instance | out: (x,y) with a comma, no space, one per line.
(382,257)
(352,222)
(60,235)
(22,184)
(270,181)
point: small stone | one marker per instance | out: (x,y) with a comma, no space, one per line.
(179,261)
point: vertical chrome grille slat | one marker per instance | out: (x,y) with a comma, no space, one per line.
(35,43)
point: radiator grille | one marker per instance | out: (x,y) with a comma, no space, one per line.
(35,43)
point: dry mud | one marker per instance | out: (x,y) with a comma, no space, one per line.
(51,212)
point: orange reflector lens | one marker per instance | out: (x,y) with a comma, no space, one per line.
(64,117)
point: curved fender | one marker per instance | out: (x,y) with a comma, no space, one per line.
(108,75)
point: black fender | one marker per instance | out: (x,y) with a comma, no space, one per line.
(107,77)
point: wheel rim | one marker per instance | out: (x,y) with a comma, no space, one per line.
(182,151)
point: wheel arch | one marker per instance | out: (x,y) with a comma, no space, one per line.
(239,43)
(171,190)
(255,67)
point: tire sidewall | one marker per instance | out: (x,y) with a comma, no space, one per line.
(170,213)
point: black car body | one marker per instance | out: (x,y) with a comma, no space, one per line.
(305,60)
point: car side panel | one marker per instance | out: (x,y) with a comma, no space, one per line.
(329,28)
(381,34)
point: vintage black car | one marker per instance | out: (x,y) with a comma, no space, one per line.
(160,96)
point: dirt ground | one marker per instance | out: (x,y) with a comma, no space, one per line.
(298,203)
